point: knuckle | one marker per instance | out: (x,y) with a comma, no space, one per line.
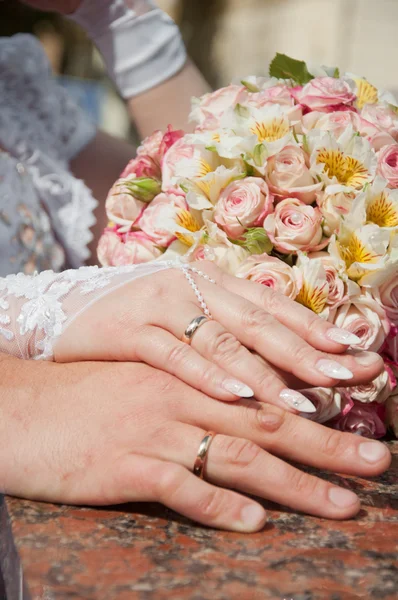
(211,505)
(302,354)
(239,452)
(167,483)
(332,443)
(302,484)
(163,383)
(272,301)
(177,355)
(272,419)
(224,346)
(255,318)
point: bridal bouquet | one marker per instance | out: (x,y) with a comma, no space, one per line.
(290,181)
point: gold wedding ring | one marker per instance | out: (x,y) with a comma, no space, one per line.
(200,461)
(192,328)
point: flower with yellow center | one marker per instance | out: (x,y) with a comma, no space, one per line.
(314,285)
(347,161)
(366,93)
(186,221)
(382,209)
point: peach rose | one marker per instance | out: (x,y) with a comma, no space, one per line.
(323,93)
(387,164)
(295,226)
(365,318)
(121,206)
(178,151)
(271,272)
(135,247)
(208,110)
(337,289)
(288,176)
(153,219)
(377,390)
(242,204)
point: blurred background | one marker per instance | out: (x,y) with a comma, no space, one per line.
(227,39)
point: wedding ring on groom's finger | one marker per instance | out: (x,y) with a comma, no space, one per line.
(200,461)
(192,328)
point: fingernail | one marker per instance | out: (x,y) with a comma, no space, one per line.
(297,401)
(237,388)
(332,368)
(252,517)
(366,358)
(372,451)
(342,336)
(342,498)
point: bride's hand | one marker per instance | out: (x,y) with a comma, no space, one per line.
(145,319)
(107,433)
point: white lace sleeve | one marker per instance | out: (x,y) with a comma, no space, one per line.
(35,310)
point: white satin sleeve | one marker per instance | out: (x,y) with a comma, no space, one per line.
(35,310)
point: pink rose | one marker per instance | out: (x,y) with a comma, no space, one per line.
(327,402)
(135,247)
(337,288)
(333,208)
(390,348)
(377,390)
(365,318)
(295,226)
(336,122)
(389,297)
(121,206)
(154,218)
(382,117)
(242,204)
(209,109)
(177,152)
(271,272)
(142,166)
(277,94)
(150,146)
(322,93)
(288,175)
(387,164)
(363,419)
(170,138)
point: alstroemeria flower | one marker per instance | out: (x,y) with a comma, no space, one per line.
(347,160)
(314,286)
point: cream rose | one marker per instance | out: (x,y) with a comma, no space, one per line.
(271,272)
(295,226)
(242,204)
(333,208)
(208,110)
(220,250)
(322,93)
(387,164)
(366,319)
(288,175)
(155,218)
(377,390)
(179,151)
(121,206)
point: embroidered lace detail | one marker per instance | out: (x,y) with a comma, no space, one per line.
(35,310)
(42,129)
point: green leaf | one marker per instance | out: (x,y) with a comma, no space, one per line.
(211,148)
(250,86)
(284,67)
(336,73)
(242,111)
(260,155)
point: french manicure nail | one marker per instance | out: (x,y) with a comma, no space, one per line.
(297,401)
(372,452)
(341,497)
(333,369)
(366,358)
(342,336)
(252,517)
(237,388)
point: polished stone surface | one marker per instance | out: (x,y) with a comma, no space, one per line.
(145,552)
